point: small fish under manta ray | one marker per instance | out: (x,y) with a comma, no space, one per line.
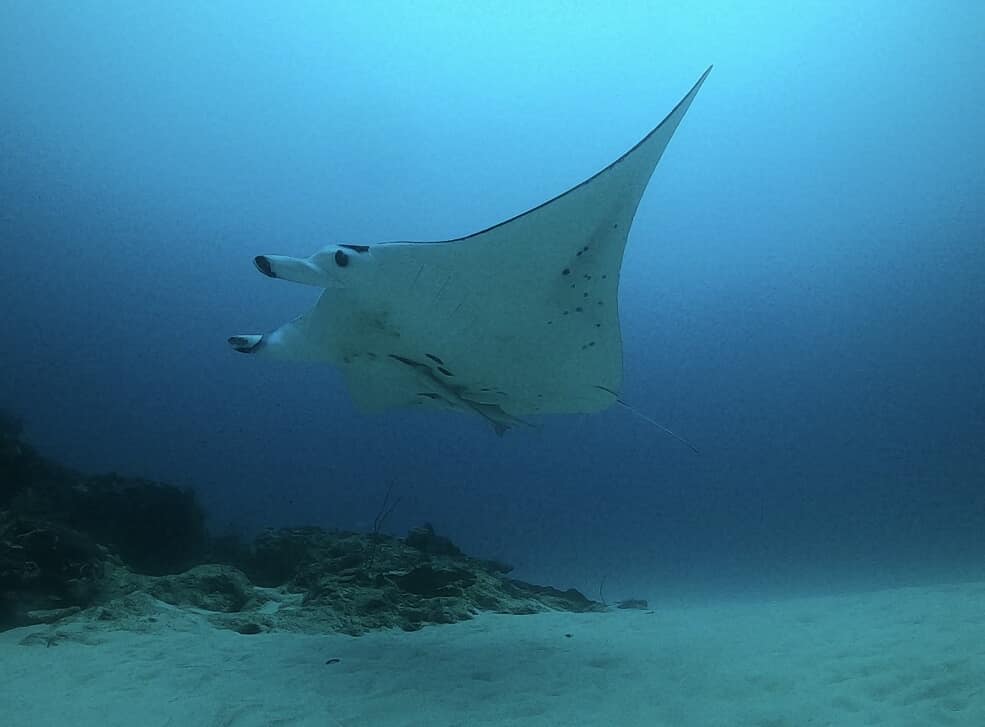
(517,320)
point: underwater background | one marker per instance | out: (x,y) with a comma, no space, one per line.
(802,294)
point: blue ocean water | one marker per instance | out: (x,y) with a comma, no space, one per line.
(802,292)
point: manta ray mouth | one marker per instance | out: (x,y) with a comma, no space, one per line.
(246,344)
(263,265)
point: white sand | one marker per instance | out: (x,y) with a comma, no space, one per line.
(897,658)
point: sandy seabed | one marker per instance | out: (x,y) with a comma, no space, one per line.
(913,656)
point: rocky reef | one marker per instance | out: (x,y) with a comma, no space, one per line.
(115,549)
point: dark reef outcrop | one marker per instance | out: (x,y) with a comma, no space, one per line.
(62,531)
(115,549)
(355,582)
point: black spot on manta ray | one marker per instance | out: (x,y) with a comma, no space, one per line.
(408,361)
(566,271)
(341,259)
(418,364)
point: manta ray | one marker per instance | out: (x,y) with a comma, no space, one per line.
(517,320)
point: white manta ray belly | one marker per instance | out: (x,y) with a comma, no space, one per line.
(516,320)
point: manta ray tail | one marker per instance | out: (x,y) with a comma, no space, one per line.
(658,425)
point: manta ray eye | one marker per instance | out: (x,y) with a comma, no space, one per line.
(341,259)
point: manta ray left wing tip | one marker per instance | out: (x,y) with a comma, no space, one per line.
(697,84)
